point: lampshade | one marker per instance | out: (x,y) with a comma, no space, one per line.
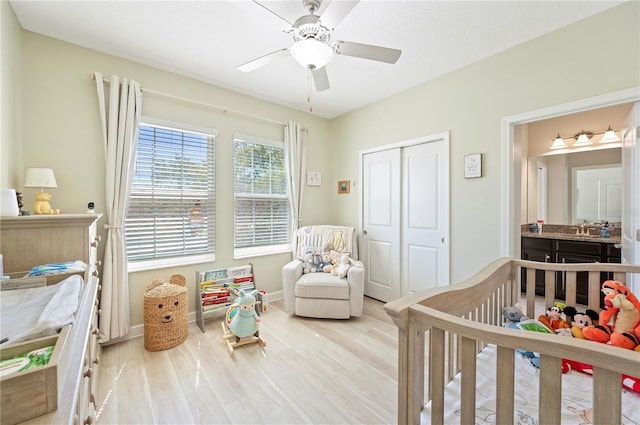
(583,140)
(311,53)
(40,177)
(609,136)
(558,143)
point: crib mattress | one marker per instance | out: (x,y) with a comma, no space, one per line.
(576,395)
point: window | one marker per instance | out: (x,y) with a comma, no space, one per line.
(172,202)
(261,204)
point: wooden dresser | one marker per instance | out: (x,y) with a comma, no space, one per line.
(28,241)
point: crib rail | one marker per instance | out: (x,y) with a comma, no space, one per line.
(454,323)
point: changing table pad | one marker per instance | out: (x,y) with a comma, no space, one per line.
(36,312)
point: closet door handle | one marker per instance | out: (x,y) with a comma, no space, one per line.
(364,232)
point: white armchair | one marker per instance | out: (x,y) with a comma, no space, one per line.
(324,295)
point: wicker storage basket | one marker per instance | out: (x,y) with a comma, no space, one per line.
(165,313)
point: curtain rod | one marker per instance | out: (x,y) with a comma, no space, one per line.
(197,102)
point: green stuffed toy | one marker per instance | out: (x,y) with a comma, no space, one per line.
(244,321)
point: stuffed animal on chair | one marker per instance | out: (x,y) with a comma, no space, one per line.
(307,265)
(341,269)
(619,322)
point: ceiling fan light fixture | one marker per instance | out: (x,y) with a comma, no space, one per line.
(609,136)
(310,53)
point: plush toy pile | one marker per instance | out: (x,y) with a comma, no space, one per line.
(617,325)
(333,262)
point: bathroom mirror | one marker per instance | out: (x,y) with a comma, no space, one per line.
(576,187)
(597,194)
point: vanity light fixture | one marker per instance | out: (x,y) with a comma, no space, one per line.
(609,136)
(584,138)
(558,143)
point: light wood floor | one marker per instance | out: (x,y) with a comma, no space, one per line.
(311,371)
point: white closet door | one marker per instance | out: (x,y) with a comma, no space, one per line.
(425,252)
(381,224)
(405,206)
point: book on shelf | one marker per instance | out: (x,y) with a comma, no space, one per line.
(239,271)
(240,279)
(215,300)
(216,294)
(216,274)
(220,283)
(216,307)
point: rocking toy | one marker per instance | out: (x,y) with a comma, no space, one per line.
(241,324)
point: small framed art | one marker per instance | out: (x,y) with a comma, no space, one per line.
(314,178)
(344,186)
(473,166)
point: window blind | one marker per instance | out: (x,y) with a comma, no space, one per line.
(172,201)
(261,204)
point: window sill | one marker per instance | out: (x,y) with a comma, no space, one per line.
(163,263)
(259,251)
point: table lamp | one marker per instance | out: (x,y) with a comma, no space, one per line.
(42,178)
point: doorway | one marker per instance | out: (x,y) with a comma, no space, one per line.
(512,160)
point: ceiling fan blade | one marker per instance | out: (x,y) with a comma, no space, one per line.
(271,11)
(336,11)
(321,79)
(367,51)
(263,60)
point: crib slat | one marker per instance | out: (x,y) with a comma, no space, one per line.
(531,291)
(570,281)
(468,390)
(436,377)
(415,367)
(550,389)
(606,396)
(549,287)
(594,290)
(505,385)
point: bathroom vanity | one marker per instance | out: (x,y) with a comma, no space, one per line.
(552,247)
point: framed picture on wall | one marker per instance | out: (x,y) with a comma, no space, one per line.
(344,186)
(473,166)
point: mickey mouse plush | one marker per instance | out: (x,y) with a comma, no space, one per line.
(580,320)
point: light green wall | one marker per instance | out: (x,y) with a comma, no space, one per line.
(61,127)
(62,131)
(592,57)
(10,97)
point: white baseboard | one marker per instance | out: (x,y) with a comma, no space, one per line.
(138,330)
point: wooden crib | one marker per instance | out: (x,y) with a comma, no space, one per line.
(455,323)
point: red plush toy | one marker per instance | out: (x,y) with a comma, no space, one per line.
(623,309)
(630,383)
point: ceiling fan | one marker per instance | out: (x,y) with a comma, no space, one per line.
(312,48)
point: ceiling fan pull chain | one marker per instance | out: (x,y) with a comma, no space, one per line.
(309,89)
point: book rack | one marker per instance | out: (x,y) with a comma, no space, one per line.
(218,288)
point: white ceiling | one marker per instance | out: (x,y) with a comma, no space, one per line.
(206,40)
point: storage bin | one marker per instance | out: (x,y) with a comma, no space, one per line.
(165,313)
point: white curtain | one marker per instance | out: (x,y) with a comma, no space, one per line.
(120,119)
(294,151)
